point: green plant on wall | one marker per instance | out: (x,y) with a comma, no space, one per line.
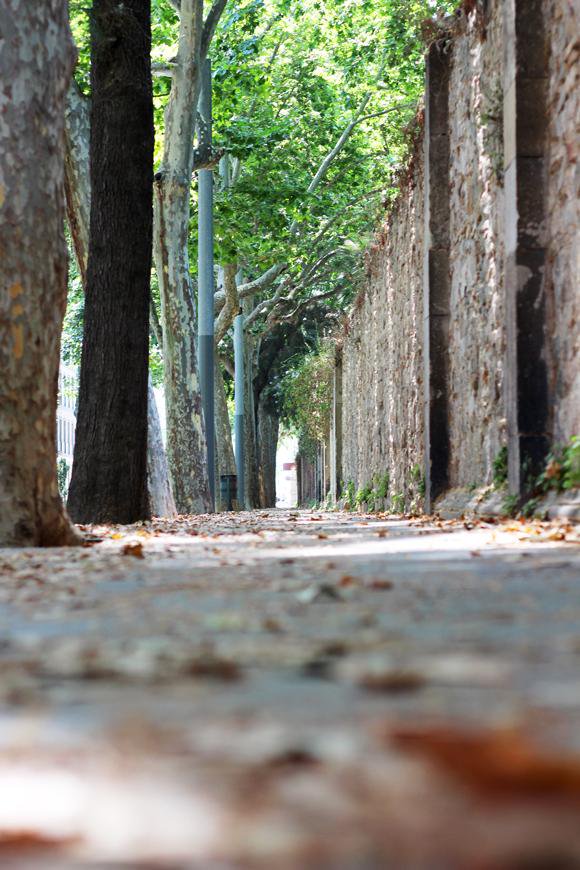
(509,505)
(418,479)
(562,471)
(381,485)
(350,496)
(364,496)
(398,503)
(571,464)
(500,468)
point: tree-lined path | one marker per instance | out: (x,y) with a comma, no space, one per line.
(293,689)
(329,246)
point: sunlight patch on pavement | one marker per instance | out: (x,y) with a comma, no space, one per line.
(115,817)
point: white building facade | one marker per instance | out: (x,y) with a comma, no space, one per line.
(68,386)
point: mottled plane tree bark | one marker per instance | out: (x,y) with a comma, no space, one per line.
(34,78)
(185,426)
(225,458)
(109,478)
(267,437)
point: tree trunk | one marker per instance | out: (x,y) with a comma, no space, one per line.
(78,200)
(225,459)
(34,76)
(76,175)
(185,427)
(252,495)
(268,425)
(160,495)
(109,478)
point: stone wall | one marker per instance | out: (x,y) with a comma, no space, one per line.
(477,318)
(382,415)
(462,287)
(563,243)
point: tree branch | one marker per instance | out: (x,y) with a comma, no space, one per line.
(307,274)
(232,303)
(386,111)
(341,141)
(227,363)
(210,24)
(265,280)
(207,158)
(155,324)
(162,70)
(267,304)
(306,302)
(331,220)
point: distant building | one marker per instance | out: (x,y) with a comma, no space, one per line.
(286,486)
(66,419)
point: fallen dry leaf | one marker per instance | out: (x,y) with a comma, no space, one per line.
(292,757)
(272,625)
(391,681)
(380,584)
(215,668)
(495,762)
(32,841)
(135,550)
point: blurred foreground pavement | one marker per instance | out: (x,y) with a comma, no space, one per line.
(293,689)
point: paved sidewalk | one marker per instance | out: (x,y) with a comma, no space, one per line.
(293,689)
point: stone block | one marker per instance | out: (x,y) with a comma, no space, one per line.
(511,208)
(509,125)
(508,38)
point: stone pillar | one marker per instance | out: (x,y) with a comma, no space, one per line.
(525,124)
(436,283)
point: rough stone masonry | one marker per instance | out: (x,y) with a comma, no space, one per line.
(466,339)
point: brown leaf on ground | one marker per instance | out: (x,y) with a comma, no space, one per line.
(391,681)
(272,625)
(495,763)
(134,549)
(16,841)
(291,758)
(215,668)
(380,584)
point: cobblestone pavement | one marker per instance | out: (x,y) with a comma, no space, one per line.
(293,689)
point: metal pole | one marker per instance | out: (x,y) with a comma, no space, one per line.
(206,287)
(239,406)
